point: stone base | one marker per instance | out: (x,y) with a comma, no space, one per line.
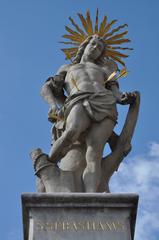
(77,216)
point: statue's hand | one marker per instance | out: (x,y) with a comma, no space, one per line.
(127,98)
(55,80)
(49,79)
(55,114)
(52,114)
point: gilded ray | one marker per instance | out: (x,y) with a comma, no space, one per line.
(70,43)
(83,21)
(89,23)
(102,26)
(74,33)
(69,49)
(116,53)
(120,41)
(77,27)
(68,56)
(96,23)
(107,28)
(115,30)
(117,59)
(117,36)
(121,48)
(72,37)
(70,53)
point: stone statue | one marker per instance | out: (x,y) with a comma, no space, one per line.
(83,96)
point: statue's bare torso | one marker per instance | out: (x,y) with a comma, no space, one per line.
(88,77)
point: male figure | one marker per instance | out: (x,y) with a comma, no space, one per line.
(89,107)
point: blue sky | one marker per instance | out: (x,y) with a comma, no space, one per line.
(29,53)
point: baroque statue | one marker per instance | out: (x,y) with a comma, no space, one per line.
(83,97)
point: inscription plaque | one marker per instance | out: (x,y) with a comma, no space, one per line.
(76,216)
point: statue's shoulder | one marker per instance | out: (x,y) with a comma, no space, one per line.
(64,68)
(109,66)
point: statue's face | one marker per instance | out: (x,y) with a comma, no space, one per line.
(94,48)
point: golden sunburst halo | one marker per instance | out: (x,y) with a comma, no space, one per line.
(113,38)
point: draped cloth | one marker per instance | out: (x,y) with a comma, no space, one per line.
(97,105)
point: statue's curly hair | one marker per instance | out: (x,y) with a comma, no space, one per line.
(82,47)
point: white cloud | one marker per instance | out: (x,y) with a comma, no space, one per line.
(140,174)
(154,149)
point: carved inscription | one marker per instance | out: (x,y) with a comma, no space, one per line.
(81,226)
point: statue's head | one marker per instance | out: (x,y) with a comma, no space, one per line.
(99,41)
(93,48)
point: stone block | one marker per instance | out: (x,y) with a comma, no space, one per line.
(76,216)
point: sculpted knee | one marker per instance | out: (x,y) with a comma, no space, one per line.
(94,152)
(91,166)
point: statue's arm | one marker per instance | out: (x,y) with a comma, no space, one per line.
(52,90)
(122,98)
(110,67)
(47,93)
(113,85)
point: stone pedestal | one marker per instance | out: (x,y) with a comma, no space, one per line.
(77,216)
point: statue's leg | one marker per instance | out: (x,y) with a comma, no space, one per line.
(96,139)
(77,122)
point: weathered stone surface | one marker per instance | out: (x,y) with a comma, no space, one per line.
(75,216)
(83,99)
